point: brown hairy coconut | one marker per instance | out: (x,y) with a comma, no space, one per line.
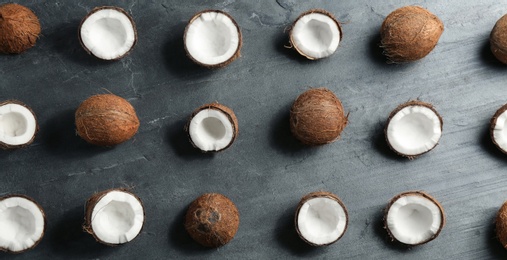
(501,225)
(106,120)
(317,117)
(18,125)
(212,220)
(410,33)
(498,39)
(19,28)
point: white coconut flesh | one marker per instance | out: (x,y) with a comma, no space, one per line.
(414,130)
(108,34)
(117,217)
(321,221)
(211,130)
(17,124)
(316,35)
(500,131)
(21,224)
(413,219)
(212,38)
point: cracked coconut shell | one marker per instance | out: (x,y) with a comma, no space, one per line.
(498,39)
(106,120)
(19,28)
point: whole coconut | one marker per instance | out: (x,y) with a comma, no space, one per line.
(501,225)
(410,33)
(212,220)
(498,39)
(106,120)
(19,28)
(317,117)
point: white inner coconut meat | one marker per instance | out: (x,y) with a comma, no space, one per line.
(108,33)
(212,38)
(316,35)
(414,130)
(17,124)
(413,219)
(211,130)
(500,131)
(21,224)
(321,220)
(117,217)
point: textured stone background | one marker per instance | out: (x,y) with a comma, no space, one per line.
(266,171)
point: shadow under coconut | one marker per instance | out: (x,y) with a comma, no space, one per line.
(180,143)
(381,232)
(495,247)
(380,143)
(487,144)
(488,59)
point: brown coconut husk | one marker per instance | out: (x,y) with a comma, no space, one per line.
(501,225)
(319,194)
(227,111)
(106,120)
(96,9)
(19,28)
(319,11)
(421,194)
(2,249)
(317,117)
(212,220)
(498,39)
(492,124)
(236,55)
(7,146)
(402,106)
(410,33)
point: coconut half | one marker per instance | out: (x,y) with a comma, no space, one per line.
(414,218)
(413,128)
(315,34)
(18,125)
(114,216)
(108,33)
(321,218)
(212,127)
(212,39)
(22,223)
(498,129)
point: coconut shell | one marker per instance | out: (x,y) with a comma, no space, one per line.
(212,220)
(90,205)
(19,28)
(317,117)
(421,194)
(106,120)
(492,124)
(402,106)
(43,216)
(237,53)
(501,225)
(498,39)
(410,33)
(7,146)
(226,110)
(319,194)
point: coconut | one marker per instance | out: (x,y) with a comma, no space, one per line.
(498,129)
(114,216)
(212,39)
(22,222)
(414,218)
(321,218)
(18,125)
(315,34)
(106,120)
(212,127)
(413,128)
(19,28)
(212,220)
(410,33)
(501,225)
(317,117)
(108,33)
(498,39)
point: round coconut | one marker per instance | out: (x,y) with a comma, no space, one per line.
(497,128)
(18,125)
(501,225)
(212,220)
(106,120)
(19,28)
(317,117)
(498,39)
(410,33)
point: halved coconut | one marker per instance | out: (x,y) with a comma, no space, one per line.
(212,39)
(498,129)
(212,127)
(316,34)
(18,125)
(413,128)
(414,218)
(114,216)
(22,223)
(108,33)
(321,218)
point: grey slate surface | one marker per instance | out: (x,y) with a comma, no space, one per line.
(266,171)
